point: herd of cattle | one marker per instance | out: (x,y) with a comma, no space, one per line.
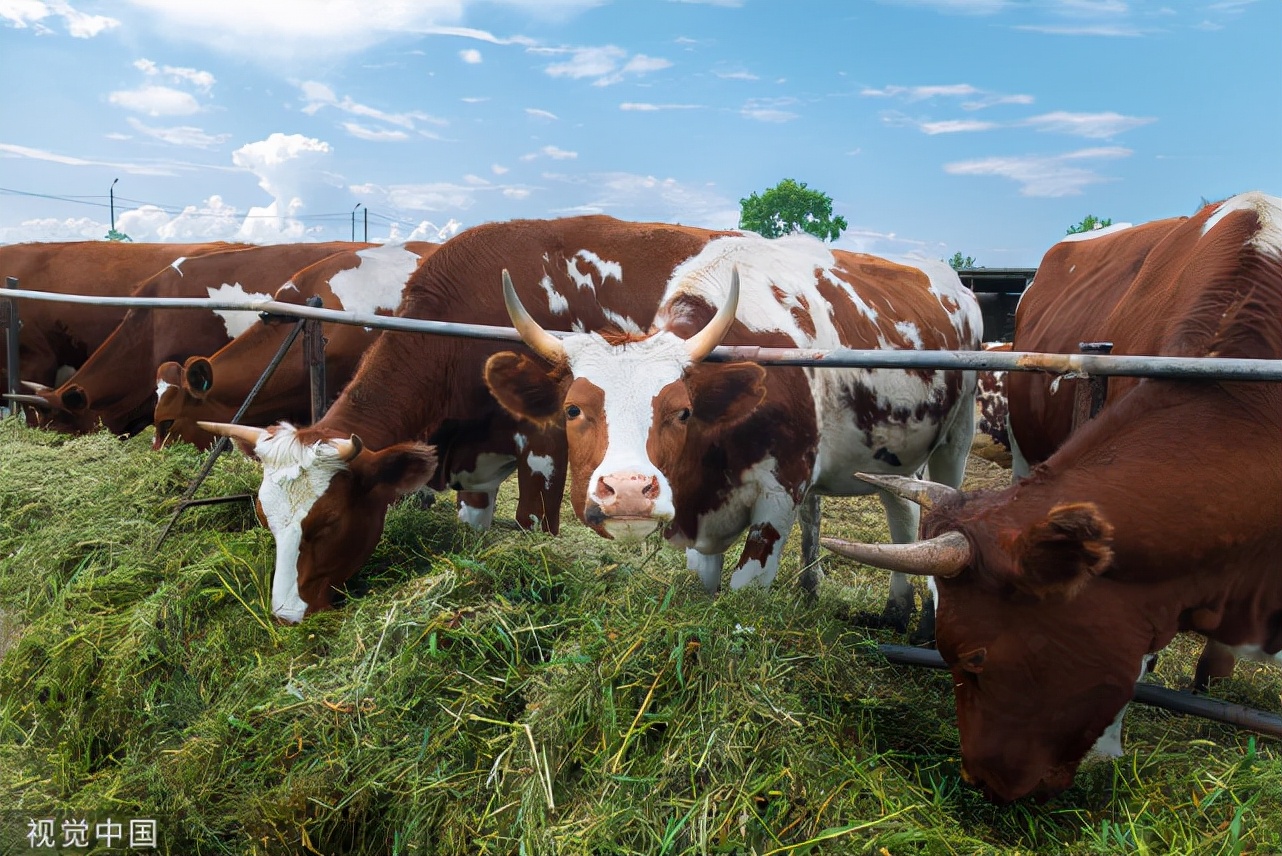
(1162,514)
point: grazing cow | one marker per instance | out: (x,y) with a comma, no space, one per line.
(61,336)
(658,438)
(411,386)
(1160,515)
(114,384)
(366,281)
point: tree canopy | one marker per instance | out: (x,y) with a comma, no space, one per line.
(790,206)
(960,262)
(1089,224)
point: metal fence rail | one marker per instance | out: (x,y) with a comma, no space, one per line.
(1202,368)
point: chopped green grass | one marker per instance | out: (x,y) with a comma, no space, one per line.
(508,692)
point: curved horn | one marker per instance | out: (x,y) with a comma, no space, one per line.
(348,449)
(20,398)
(245,433)
(944,555)
(927,494)
(37,388)
(702,343)
(542,342)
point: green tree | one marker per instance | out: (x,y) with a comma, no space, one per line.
(960,262)
(1089,224)
(790,207)
(117,235)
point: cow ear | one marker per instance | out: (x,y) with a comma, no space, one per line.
(725,393)
(170,372)
(404,467)
(1060,553)
(524,387)
(198,376)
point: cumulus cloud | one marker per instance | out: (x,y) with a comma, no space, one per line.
(38,15)
(1044,176)
(202,80)
(605,65)
(290,167)
(471,56)
(156,101)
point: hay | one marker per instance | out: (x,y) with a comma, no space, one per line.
(512,693)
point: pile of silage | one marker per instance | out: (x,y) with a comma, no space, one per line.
(500,693)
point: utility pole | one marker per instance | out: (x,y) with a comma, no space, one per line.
(358,205)
(367,224)
(111,191)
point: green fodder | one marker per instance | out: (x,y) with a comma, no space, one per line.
(508,692)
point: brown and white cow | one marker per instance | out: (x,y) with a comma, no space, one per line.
(992,438)
(59,337)
(326,512)
(1160,515)
(660,439)
(114,386)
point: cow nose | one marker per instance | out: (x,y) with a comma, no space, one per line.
(626,494)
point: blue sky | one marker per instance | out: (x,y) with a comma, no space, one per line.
(985,127)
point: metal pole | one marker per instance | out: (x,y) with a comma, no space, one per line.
(358,205)
(1150,694)
(12,331)
(314,360)
(367,224)
(111,191)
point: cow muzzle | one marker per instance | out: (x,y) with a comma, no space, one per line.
(627,506)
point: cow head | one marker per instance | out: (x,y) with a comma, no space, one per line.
(628,405)
(325,499)
(182,393)
(1044,651)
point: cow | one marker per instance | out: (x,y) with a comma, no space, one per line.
(1159,515)
(992,440)
(369,281)
(212,388)
(411,390)
(113,386)
(58,337)
(660,439)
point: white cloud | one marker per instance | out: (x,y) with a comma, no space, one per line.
(318,96)
(607,64)
(645,197)
(1091,125)
(1044,176)
(738,74)
(159,168)
(155,101)
(960,7)
(183,135)
(921,93)
(1104,30)
(290,167)
(643,107)
(375,135)
(769,109)
(498,169)
(955,126)
(471,56)
(21,14)
(729,4)
(53,229)
(202,80)
(550,152)
(536,113)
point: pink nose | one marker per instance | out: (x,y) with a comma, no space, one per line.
(626,494)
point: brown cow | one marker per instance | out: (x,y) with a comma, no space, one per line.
(114,385)
(1160,515)
(58,335)
(658,439)
(411,385)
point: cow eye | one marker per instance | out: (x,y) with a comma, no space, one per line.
(573,412)
(683,414)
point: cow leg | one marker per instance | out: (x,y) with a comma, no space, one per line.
(1217,661)
(759,562)
(1018,463)
(708,567)
(812,573)
(541,483)
(476,508)
(903,517)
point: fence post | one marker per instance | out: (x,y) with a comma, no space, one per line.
(1089,397)
(12,329)
(314,359)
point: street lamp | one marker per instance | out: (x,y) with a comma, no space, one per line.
(111,191)
(358,205)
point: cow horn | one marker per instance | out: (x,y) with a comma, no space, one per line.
(20,398)
(927,494)
(944,555)
(542,342)
(348,449)
(38,388)
(702,343)
(245,433)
